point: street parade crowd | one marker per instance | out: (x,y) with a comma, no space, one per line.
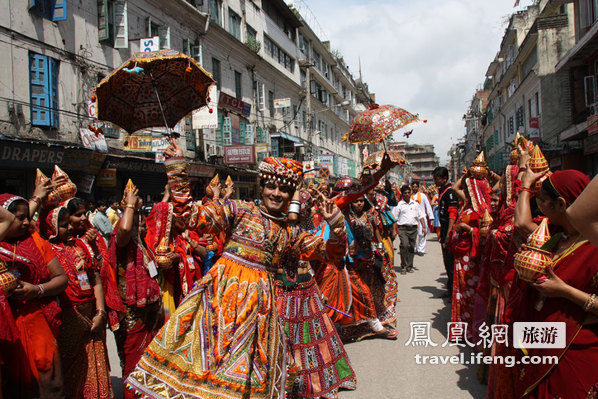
(216,297)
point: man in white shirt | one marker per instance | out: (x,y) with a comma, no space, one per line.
(409,216)
(422,230)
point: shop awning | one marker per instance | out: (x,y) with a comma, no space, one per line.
(287,137)
(574,132)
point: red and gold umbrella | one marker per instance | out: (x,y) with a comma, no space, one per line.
(378,122)
(376,158)
(152,89)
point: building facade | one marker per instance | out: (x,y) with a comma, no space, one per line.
(261,53)
(528,95)
(421,160)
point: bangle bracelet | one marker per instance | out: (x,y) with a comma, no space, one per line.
(37,199)
(294,208)
(42,291)
(529,190)
(589,303)
(101,312)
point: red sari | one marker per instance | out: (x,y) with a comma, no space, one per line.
(576,372)
(141,297)
(465,248)
(30,354)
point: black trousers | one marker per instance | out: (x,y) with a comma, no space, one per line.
(447,256)
(408,237)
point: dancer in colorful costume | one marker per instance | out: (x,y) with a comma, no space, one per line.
(225,339)
(323,364)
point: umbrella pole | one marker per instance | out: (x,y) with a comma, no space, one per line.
(160,104)
(384,145)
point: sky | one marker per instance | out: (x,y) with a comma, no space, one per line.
(427,56)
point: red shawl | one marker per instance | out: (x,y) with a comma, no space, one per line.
(465,243)
(141,289)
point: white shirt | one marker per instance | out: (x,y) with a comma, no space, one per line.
(408,213)
(425,204)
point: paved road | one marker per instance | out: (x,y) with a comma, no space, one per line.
(387,369)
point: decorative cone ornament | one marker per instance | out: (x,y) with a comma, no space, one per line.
(8,281)
(537,164)
(213,184)
(514,157)
(40,178)
(531,261)
(485,223)
(479,167)
(129,188)
(162,251)
(229,181)
(63,192)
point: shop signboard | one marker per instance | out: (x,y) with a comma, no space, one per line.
(234,104)
(282,103)
(93,141)
(107,178)
(239,154)
(534,123)
(149,44)
(139,143)
(207,117)
(86,183)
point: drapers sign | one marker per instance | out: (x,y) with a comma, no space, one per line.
(239,154)
(234,104)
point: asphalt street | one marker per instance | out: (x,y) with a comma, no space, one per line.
(388,369)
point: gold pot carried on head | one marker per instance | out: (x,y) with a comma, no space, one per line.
(479,167)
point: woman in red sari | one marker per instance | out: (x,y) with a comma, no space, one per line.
(464,243)
(31,363)
(139,292)
(567,294)
(82,340)
(82,229)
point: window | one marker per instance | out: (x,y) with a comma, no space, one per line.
(190,140)
(238,86)
(216,72)
(214,9)
(304,45)
(251,33)
(303,78)
(227,131)
(234,24)
(271,102)
(260,97)
(43,88)
(113,27)
(588,13)
(317,60)
(511,126)
(163,31)
(54,10)
(194,49)
(278,54)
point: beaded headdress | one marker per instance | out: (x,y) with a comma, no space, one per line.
(283,170)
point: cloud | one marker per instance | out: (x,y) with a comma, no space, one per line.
(427,56)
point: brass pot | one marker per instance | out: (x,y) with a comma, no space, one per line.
(530,263)
(478,172)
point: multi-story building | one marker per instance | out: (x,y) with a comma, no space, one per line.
(527,94)
(473,125)
(260,52)
(422,160)
(580,64)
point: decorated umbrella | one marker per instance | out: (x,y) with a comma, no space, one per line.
(152,89)
(376,158)
(378,122)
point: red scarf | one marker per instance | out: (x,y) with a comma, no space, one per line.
(141,289)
